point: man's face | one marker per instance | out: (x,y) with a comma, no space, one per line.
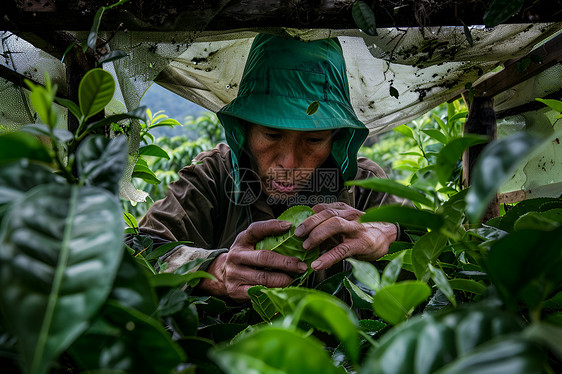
(285,159)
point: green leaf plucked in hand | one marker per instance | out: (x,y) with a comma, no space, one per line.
(288,244)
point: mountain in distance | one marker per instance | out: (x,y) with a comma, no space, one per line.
(157,98)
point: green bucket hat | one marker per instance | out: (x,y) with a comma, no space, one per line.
(282,78)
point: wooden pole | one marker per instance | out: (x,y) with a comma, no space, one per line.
(481,120)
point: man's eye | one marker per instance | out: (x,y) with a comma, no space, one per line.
(273,136)
(315,140)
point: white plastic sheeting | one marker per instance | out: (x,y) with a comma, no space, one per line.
(426,67)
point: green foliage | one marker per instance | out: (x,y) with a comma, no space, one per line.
(458,296)
(497,163)
(161,159)
(500,11)
(275,350)
(288,244)
(62,247)
(364,17)
(44,231)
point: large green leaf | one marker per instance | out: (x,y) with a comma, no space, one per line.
(101,161)
(262,304)
(396,302)
(288,244)
(543,221)
(552,104)
(41,129)
(287,299)
(441,281)
(366,273)
(141,170)
(392,270)
(42,100)
(322,311)
(517,261)
(532,205)
(132,287)
(436,134)
(403,215)
(364,17)
(512,354)
(95,91)
(500,11)
(274,350)
(60,250)
(131,342)
(426,343)
(394,188)
(175,280)
(425,252)
(20,176)
(451,154)
(467,285)
(359,298)
(496,163)
(153,150)
(17,145)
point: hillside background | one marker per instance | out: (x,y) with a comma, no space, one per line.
(174,106)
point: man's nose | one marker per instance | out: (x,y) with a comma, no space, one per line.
(288,158)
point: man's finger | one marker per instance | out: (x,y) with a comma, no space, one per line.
(335,205)
(259,230)
(333,256)
(269,259)
(329,229)
(323,213)
(315,220)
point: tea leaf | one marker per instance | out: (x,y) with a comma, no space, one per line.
(17,145)
(403,215)
(288,244)
(101,161)
(70,240)
(500,11)
(451,154)
(153,150)
(552,104)
(262,303)
(274,349)
(496,163)
(364,17)
(396,302)
(366,273)
(394,188)
(312,108)
(95,91)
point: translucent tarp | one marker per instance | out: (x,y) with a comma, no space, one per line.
(426,67)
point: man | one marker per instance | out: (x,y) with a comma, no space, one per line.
(292,139)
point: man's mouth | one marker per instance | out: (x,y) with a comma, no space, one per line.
(283,187)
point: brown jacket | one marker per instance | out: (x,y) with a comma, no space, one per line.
(199,207)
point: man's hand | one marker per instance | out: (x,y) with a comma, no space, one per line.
(363,241)
(243,267)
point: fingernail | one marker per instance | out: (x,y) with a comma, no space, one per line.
(316,265)
(302,267)
(305,244)
(299,230)
(285,224)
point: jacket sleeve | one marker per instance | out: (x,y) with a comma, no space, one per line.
(190,211)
